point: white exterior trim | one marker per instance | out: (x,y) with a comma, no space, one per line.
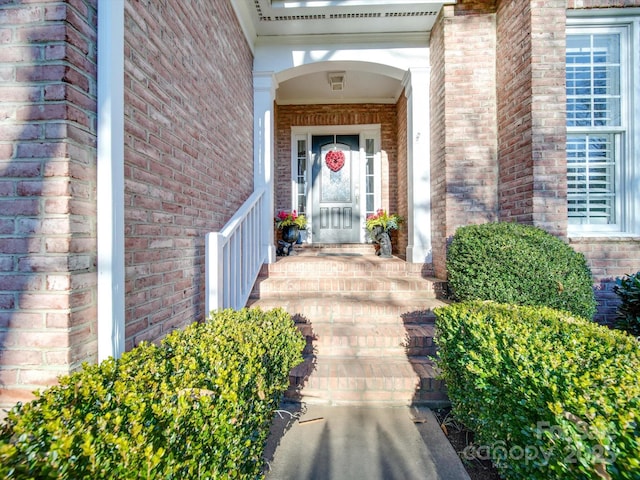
(110,174)
(419,249)
(264,94)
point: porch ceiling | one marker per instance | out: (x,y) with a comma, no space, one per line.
(359,87)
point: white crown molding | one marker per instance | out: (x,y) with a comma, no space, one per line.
(391,40)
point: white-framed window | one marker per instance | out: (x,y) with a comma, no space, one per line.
(299,170)
(372,175)
(602,118)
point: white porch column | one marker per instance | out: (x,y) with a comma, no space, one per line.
(110,188)
(418,166)
(264,94)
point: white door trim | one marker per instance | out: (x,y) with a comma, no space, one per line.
(364,131)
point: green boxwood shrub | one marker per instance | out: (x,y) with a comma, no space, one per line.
(549,396)
(519,264)
(628,316)
(197,406)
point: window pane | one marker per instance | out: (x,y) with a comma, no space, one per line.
(369,166)
(591,179)
(369,147)
(369,203)
(370,176)
(593,80)
(302,177)
(370,184)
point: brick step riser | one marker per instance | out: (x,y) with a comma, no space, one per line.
(434,397)
(378,302)
(361,313)
(339,348)
(337,340)
(358,262)
(332,385)
(357,351)
(329,385)
(324,287)
(359,318)
(365,298)
(330,279)
(329,268)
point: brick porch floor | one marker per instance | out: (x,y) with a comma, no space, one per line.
(368,322)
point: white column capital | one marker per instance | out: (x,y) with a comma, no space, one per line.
(415,75)
(264,82)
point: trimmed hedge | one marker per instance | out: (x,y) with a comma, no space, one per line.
(198,406)
(627,289)
(549,396)
(519,264)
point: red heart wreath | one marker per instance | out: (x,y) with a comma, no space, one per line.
(334,160)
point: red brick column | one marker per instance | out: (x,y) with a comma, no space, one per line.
(463,123)
(531,97)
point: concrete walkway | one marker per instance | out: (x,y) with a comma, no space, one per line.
(360,442)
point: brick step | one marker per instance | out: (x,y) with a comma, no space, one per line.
(387,289)
(379,339)
(342,265)
(368,322)
(359,380)
(355,309)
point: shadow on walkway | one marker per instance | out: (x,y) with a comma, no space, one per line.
(356,442)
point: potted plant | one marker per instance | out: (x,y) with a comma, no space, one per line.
(379,225)
(290,223)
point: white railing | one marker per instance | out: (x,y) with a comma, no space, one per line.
(235,255)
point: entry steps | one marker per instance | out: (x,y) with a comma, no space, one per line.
(368,322)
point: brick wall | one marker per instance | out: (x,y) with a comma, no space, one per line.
(513,59)
(401,238)
(47,193)
(463,119)
(531,113)
(437,147)
(188,153)
(288,116)
(609,258)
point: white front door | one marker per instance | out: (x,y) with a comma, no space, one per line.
(335,178)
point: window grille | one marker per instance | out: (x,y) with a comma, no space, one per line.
(301,177)
(597,89)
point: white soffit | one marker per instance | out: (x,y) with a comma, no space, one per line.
(330,17)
